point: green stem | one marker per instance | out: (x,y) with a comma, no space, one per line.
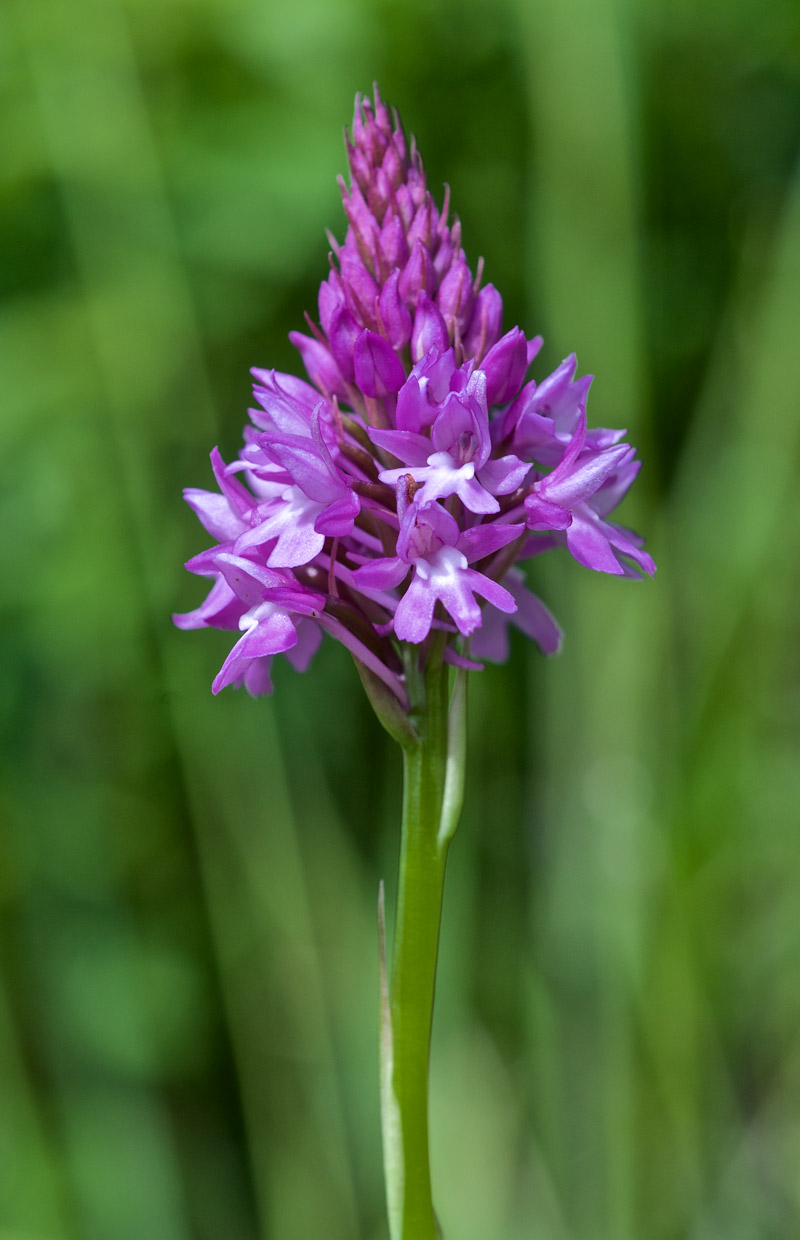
(429,815)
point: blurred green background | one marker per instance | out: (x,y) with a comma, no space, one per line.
(188,964)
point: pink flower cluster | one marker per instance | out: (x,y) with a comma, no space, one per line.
(393,494)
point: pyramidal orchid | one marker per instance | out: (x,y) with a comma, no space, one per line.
(387,501)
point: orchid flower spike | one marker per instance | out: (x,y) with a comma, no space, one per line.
(391,495)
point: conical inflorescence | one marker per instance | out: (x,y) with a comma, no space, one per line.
(394,492)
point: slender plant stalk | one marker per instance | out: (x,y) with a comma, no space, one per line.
(433,782)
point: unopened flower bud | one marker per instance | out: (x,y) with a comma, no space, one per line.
(393,245)
(504,366)
(430,329)
(485,324)
(380,194)
(360,168)
(455,296)
(394,316)
(367,131)
(405,206)
(392,165)
(318,361)
(378,369)
(331,299)
(383,116)
(344,330)
(360,289)
(417,275)
(422,227)
(443,259)
(416,179)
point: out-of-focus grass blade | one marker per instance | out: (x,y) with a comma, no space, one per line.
(123,1170)
(29,1182)
(738,479)
(266,936)
(592,854)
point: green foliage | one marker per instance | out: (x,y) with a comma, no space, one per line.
(188,962)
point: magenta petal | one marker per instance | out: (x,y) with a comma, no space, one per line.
(412,620)
(296,599)
(247,579)
(443,260)
(411,449)
(543,515)
(272,638)
(315,476)
(382,574)
(502,475)
(629,544)
(456,593)
(320,366)
(239,498)
(455,659)
(440,372)
(615,488)
(296,544)
(534,346)
(462,428)
(256,677)
(288,388)
(558,399)
(531,617)
(550,388)
(534,619)
(413,410)
(290,524)
(573,451)
(221,610)
(590,546)
(425,529)
(287,402)
(534,439)
(475,498)
(204,564)
(492,591)
(337,519)
(485,539)
(585,477)
(215,513)
(262,532)
(309,637)
(491,640)
(273,633)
